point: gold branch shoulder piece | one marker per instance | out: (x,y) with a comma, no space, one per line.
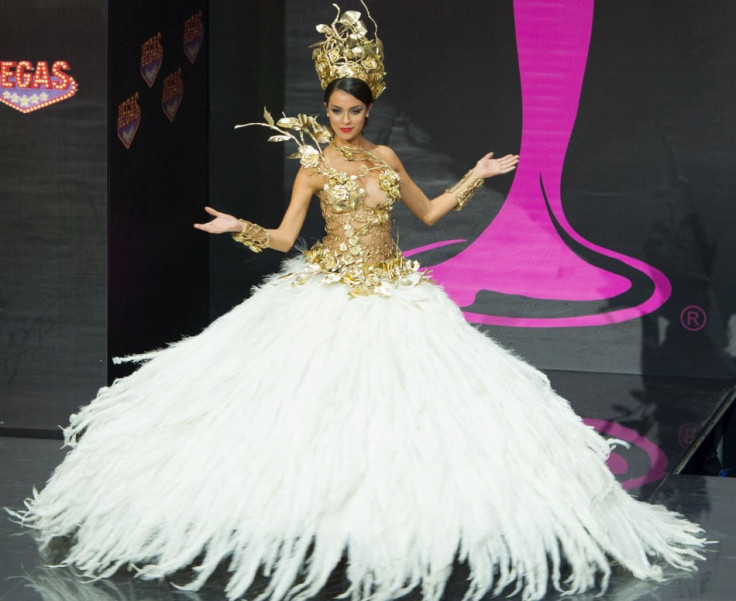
(304,128)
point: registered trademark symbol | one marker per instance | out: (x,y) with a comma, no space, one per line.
(693,318)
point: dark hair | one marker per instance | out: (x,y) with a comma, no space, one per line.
(351,85)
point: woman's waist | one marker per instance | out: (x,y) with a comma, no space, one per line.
(336,254)
(365,273)
(351,250)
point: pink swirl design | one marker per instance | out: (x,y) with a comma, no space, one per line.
(520,252)
(618,464)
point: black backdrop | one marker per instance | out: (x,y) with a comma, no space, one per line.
(53,230)
(246,74)
(158,263)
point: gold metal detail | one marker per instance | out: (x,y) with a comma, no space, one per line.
(466,189)
(253,236)
(347,52)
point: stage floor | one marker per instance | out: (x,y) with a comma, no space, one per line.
(24,462)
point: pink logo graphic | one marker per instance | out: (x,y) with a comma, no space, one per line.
(693,318)
(521,252)
(617,462)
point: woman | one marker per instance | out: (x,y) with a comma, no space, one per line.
(348,102)
(347,409)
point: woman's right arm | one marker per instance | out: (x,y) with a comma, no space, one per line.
(306,184)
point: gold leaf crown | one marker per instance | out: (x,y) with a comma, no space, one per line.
(347,52)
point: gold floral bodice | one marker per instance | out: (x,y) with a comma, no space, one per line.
(358,248)
(358,222)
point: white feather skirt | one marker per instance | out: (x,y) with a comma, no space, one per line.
(306,424)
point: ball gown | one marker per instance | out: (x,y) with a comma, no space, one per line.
(347,409)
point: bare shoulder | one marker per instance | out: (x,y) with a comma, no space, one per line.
(388,155)
(310,178)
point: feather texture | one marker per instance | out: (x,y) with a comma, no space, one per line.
(304,425)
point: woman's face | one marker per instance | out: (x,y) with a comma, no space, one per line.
(347,117)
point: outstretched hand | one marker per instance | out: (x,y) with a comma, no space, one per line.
(221,223)
(489,167)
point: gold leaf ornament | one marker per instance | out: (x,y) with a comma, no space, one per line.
(267,116)
(349,18)
(288,122)
(309,158)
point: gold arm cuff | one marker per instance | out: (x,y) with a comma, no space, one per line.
(466,189)
(253,236)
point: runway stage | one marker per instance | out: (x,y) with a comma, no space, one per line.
(628,172)
(710,501)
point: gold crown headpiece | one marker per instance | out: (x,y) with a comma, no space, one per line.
(347,52)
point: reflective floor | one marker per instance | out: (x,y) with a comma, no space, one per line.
(28,462)
(659,417)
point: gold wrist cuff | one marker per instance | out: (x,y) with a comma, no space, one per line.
(253,236)
(466,189)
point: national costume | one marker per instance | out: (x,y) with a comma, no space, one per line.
(347,410)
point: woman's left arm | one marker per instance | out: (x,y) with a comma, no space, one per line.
(430,211)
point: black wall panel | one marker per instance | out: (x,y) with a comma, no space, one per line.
(53,231)
(158,263)
(246,74)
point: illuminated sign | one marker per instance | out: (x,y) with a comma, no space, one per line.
(152,55)
(129,118)
(172,94)
(27,87)
(193,36)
